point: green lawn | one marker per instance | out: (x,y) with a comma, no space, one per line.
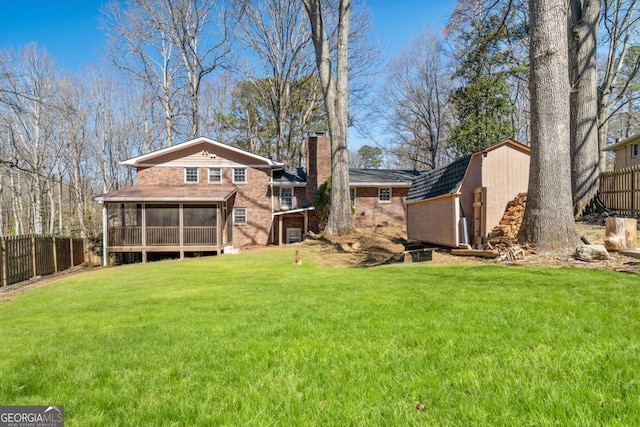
(254,340)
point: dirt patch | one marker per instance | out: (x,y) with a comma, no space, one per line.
(384,245)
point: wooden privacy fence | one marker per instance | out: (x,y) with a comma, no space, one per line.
(24,257)
(620,190)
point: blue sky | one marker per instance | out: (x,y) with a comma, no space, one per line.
(68,29)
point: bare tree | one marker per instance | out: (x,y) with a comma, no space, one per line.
(413,102)
(548,221)
(192,25)
(29,93)
(140,45)
(278,32)
(336,98)
(621,24)
(171,46)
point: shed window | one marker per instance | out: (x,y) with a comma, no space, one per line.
(215,175)
(634,150)
(286,197)
(384,195)
(239,215)
(239,175)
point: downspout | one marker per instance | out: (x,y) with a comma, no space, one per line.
(272,209)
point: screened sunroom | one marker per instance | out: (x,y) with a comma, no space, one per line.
(184,226)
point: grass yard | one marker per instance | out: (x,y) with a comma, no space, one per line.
(254,340)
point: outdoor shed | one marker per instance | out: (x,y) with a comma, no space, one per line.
(460,203)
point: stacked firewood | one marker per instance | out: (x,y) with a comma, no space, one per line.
(511,220)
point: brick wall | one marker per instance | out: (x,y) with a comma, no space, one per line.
(370,212)
(318,164)
(255,195)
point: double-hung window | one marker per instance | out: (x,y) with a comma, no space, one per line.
(239,175)
(384,195)
(215,175)
(191,175)
(286,198)
(239,215)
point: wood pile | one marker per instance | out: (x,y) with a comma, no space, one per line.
(511,220)
(503,236)
(507,248)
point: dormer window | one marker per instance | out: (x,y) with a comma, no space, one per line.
(191,175)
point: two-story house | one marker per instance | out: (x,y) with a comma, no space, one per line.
(626,151)
(202,196)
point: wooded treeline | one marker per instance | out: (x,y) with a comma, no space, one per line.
(244,72)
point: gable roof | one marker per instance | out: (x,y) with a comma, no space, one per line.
(377,177)
(440,181)
(447,179)
(146,158)
(620,144)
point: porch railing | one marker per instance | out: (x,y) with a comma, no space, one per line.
(125,236)
(200,236)
(163,236)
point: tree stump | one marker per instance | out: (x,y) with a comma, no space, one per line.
(620,233)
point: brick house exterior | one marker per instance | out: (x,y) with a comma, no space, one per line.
(202,196)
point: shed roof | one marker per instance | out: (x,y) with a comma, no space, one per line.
(438,182)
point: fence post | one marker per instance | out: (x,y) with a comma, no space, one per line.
(71,250)
(3,260)
(634,174)
(33,255)
(55,255)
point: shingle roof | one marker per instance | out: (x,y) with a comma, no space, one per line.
(444,180)
(297,176)
(356,176)
(382,176)
(162,193)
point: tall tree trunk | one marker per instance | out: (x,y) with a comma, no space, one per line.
(585,152)
(17,207)
(335,92)
(548,222)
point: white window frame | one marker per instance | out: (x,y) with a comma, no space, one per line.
(353,196)
(219,176)
(187,175)
(236,214)
(283,197)
(380,190)
(634,150)
(244,174)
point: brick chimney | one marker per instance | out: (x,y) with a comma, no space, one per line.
(318,163)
